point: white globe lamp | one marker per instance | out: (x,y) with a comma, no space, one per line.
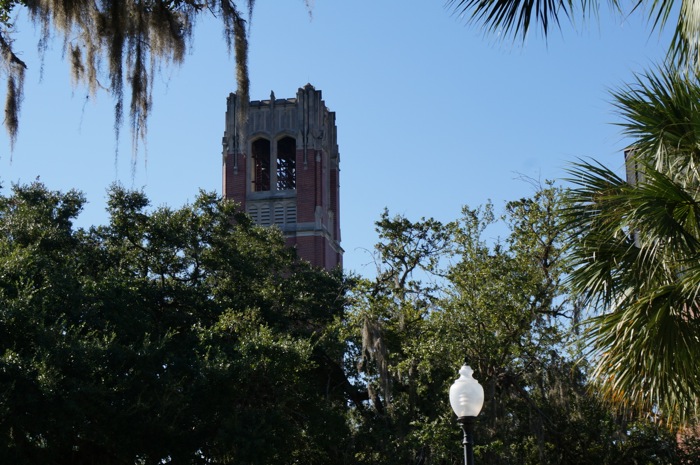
(467,399)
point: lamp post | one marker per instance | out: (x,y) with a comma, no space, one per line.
(467,398)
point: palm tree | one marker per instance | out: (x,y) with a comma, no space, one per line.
(515,18)
(637,251)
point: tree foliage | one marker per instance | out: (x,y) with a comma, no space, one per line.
(446,292)
(192,336)
(172,336)
(635,246)
(636,251)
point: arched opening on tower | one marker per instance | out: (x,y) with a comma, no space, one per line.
(286,163)
(261,165)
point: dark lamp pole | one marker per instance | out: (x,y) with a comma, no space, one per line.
(467,399)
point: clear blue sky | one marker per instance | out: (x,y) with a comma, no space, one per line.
(432,114)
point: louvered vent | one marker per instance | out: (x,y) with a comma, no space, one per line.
(279,213)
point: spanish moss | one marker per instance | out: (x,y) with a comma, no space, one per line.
(116,43)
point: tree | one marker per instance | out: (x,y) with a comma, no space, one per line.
(509,314)
(515,18)
(637,247)
(134,38)
(193,336)
(444,293)
(386,332)
(172,336)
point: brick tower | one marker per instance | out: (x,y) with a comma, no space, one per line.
(286,171)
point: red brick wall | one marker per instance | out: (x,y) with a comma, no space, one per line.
(316,250)
(332,258)
(335,205)
(235,180)
(306,186)
(311,248)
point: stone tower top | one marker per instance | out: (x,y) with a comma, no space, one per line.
(282,166)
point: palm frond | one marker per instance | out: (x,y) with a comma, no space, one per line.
(646,356)
(684,50)
(662,208)
(660,110)
(594,215)
(514,17)
(636,253)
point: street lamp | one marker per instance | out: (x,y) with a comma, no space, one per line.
(467,398)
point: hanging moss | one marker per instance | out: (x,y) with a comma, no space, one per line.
(14,69)
(134,38)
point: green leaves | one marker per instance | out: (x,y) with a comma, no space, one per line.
(186,336)
(660,113)
(501,304)
(515,17)
(504,305)
(191,335)
(636,247)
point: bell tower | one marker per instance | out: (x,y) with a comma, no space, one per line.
(285,173)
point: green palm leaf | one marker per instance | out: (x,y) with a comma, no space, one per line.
(660,110)
(636,254)
(514,18)
(636,250)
